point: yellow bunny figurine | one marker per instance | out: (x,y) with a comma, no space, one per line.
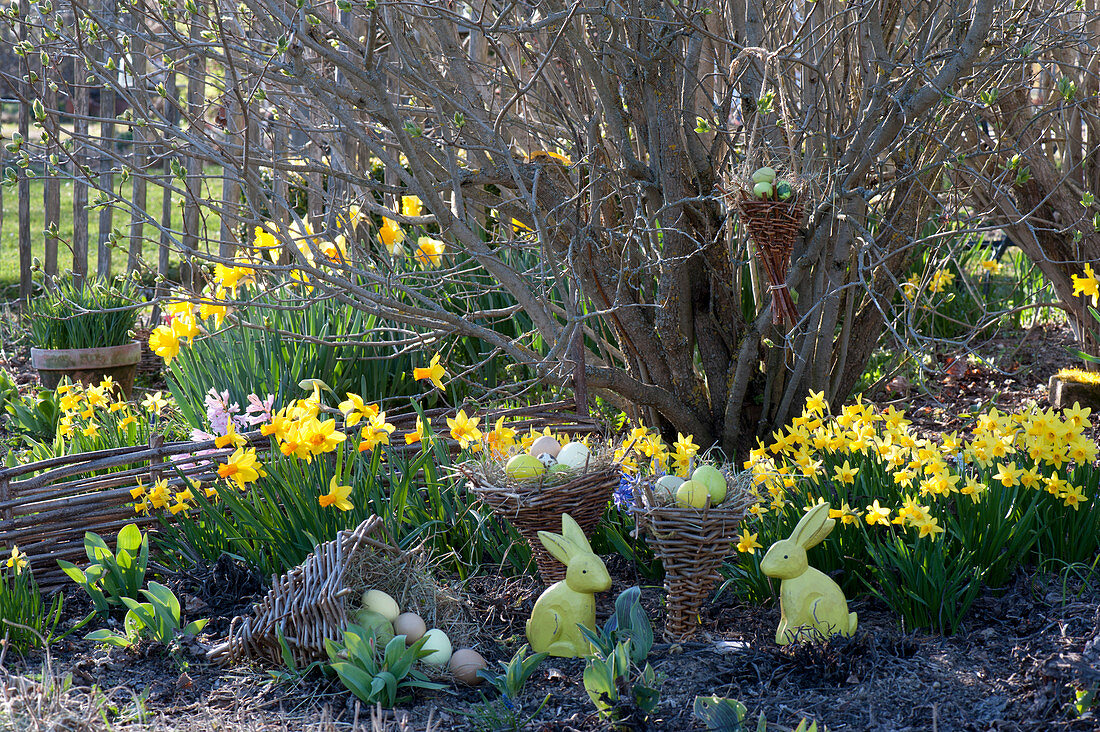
(808,598)
(552,627)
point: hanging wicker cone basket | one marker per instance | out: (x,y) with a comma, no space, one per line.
(314,600)
(773,227)
(538,506)
(692,544)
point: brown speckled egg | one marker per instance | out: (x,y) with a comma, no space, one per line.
(465,663)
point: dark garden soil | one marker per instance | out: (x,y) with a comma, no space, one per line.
(1015,664)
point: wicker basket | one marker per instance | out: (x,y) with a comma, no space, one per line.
(584,498)
(313,601)
(773,226)
(691,544)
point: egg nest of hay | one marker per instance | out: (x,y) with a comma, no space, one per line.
(408,579)
(490,472)
(738,490)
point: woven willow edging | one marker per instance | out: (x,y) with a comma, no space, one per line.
(691,544)
(46,507)
(539,509)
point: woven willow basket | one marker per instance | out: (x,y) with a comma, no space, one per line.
(691,544)
(314,600)
(539,508)
(773,227)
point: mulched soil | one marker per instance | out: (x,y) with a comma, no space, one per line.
(1014,665)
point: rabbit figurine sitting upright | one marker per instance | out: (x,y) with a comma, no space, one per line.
(808,598)
(552,627)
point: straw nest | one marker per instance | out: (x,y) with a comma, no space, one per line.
(410,581)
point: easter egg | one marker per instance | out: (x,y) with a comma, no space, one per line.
(559,468)
(465,663)
(440,646)
(547,460)
(764,175)
(783,190)
(667,484)
(370,620)
(762,190)
(713,480)
(381,603)
(545,444)
(411,626)
(524,467)
(573,455)
(692,494)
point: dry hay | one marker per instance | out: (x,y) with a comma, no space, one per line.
(410,581)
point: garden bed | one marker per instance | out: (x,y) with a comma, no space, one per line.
(1010,669)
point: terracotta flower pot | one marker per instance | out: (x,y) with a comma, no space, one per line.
(89,366)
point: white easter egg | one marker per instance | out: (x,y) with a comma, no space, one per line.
(573,455)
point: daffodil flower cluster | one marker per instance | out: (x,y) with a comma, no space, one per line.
(644,452)
(1035,449)
(97,417)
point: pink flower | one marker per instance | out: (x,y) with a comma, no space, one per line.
(258,411)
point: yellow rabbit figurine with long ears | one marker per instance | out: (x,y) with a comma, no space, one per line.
(552,627)
(808,599)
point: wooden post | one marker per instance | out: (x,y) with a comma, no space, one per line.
(196,88)
(138,157)
(52,183)
(80,156)
(231,187)
(24,178)
(106,161)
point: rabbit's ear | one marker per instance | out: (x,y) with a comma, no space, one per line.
(813,527)
(574,534)
(557,546)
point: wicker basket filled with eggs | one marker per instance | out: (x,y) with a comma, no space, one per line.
(692,525)
(360,578)
(532,490)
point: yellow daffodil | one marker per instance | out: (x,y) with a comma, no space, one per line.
(991,266)
(815,402)
(429,251)
(434,372)
(17,560)
(845,474)
(376,432)
(877,514)
(1087,285)
(419,434)
(337,496)
(164,343)
(464,429)
(390,236)
(355,409)
(242,467)
(748,543)
(929,526)
(155,403)
(411,206)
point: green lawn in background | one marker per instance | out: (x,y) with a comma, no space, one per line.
(9,229)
